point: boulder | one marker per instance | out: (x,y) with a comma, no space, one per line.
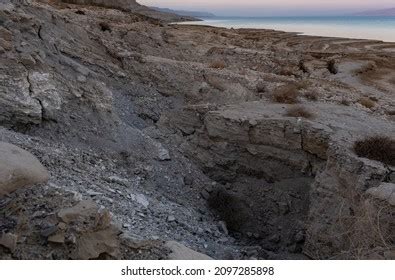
(19,169)
(386,191)
(180,252)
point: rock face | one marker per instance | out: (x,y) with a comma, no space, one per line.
(19,169)
(125,5)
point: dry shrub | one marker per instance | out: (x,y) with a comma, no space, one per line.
(391,113)
(380,148)
(367,102)
(332,67)
(104,26)
(303,84)
(345,102)
(261,87)
(218,64)
(216,83)
(303,67)
(253,37)
(367,225)
(367,68)
(311,95)
(289,94)
(299,112)
(286,71)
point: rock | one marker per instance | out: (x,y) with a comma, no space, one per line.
(114,4)
(17,104)
(82,210)
(180,252)
(57,238)
(9,241)
(188,180)
(43,87)
(223,228)
(19,169)
(205,194)
(49,231)
(299,237)
(163,154)
(141,199)
(92,244)
(93,193)
(171,218)
(81,79)
(5,34)
(386,191)
(118,180)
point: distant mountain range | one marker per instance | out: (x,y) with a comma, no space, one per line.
(383,12)
(196,14)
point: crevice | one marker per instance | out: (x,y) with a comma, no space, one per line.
(39,33)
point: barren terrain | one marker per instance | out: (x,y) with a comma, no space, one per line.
(237,143)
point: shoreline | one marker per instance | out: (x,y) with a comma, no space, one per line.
(314,31)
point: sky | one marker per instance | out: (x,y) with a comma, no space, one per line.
(273,7)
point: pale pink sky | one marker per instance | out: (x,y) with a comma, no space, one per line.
(273,7)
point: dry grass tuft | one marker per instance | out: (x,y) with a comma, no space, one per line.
(299,112)
(380,148)
(289,94)
(367,102)
(218,64)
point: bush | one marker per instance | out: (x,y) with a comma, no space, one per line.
(261,87)
(345,102)
(104,26)
(367,102)
(218,64)
(288,94)
(286,71)
(332,67)
(299,112)
(380,148)
(311,95)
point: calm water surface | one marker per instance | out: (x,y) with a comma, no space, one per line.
(376,28)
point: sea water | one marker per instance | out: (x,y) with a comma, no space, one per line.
(357,27)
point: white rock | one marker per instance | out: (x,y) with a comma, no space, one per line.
(141,199)
(384,191)
(18,169)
